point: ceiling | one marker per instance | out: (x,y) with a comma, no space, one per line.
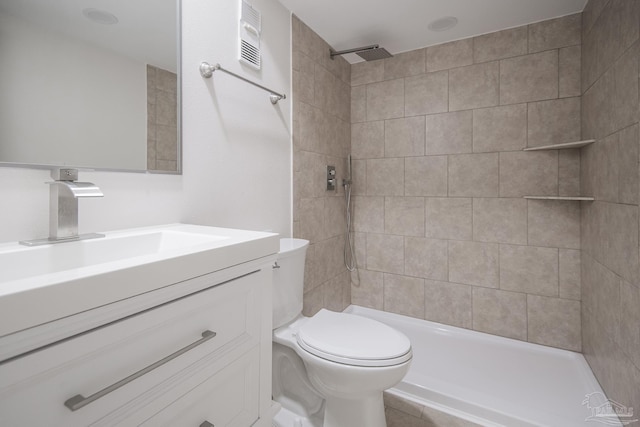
(401,25)
(146,29)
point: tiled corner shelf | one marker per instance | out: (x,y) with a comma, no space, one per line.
(563,146)
(584,199)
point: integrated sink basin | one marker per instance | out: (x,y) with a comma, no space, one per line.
(44,283)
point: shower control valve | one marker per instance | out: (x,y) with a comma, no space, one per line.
(331,178)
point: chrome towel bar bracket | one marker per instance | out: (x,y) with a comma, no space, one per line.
(206,71)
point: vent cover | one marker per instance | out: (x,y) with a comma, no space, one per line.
(250,27)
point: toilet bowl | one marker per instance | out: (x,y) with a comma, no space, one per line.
(331,366)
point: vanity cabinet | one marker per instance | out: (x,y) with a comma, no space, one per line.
(203,357)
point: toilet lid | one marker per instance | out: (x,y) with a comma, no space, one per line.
(353,340)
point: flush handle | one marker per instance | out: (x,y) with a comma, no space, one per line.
(79,401)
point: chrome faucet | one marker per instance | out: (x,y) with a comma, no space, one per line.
(64,193)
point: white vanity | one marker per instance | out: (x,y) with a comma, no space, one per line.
(161,326)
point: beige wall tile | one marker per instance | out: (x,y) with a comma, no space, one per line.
(334,292)
(425,258)
(450,55)
(317,130)
(404,216)
(396,418)
(368,214)
(569,172)
(404,295)
(569,274)
(555,33)
(500,44)
(554,322)
(404,137)
(628,178)
(628,337)
(500,128)
(358,104)
(603,165)
(598,108)
(311,219)
(385,253)
(425,176)
(474,86)
(529,269)
(625,99)
(554,122)
(367,72)
(310,174)
(385,177)
(474,263)
(569,63)
(554,223)
(367,289)
(402,405)
(334,216)
(312,301)
(448,303)
(528,173)
(474,175)
(449,133)
(358,177)
(367,140)
(500,220)
(529,78)
(385,100)
(500,312)
(426,93)
(360,249)
(448,218)
(405,64)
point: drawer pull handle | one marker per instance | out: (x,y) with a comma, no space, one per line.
(78,401)
(206,424)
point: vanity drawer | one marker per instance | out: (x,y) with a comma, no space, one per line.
(230,398)
(35,387)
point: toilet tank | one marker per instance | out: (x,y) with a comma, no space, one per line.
(288,281)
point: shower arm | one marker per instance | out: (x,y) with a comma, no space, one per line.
(358,49)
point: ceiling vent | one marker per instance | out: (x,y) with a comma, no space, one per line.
(250,27)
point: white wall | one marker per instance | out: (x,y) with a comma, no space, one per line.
(65,95)
(236,145)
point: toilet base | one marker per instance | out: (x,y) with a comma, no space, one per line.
(367,411)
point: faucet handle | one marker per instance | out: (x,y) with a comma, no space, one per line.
(64,174)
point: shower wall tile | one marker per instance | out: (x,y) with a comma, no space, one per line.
(569,78)
(404,137)
(358,177)
(529,78)
(450,55)
(554,223)
(367,289)
(404,295)
(474,86)
(367,72)
(500,44)
(500,313)
(500,220)
(425,176)
(425,258)
(385,253)
(500,128)
(555,33)
(529,269)
(528,173)
(569,274)
(405,64)
(426,93)
(358,104)
(367,140)
(448,303)
(474,263)
(404,216)
(385,100)
(569,172)
(448,218)
(554,122)
(628,177)
(554,322)
(474,175)
(368,214)
(449,133)
(385,177)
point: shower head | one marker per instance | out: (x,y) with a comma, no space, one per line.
(368,53)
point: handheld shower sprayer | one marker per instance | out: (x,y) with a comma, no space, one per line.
(349,253)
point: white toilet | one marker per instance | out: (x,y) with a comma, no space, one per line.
(332,366)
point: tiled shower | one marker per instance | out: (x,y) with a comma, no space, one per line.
(441,226)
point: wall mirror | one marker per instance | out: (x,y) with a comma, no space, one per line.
(90,84)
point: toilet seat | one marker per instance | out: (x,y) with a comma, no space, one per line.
(353,340)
